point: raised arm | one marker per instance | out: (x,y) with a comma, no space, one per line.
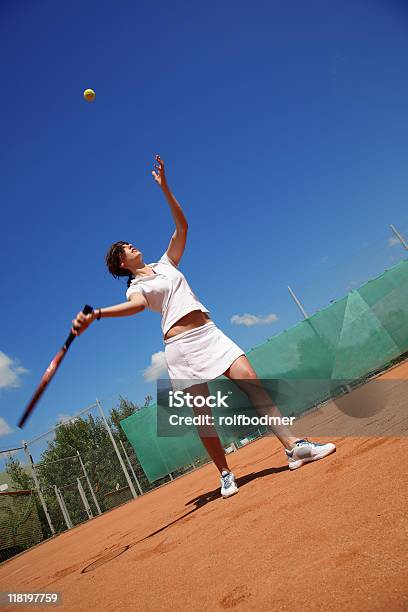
(178,240)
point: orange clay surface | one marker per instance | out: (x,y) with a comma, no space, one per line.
(329,536)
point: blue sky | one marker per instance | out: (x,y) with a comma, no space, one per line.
(283,126)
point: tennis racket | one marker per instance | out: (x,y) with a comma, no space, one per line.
(50,372)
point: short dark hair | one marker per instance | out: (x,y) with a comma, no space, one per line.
(112,260)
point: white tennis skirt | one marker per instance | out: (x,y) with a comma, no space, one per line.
(199,355)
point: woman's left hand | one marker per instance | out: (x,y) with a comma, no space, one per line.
(158,173)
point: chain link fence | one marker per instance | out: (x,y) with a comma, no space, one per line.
(74,472)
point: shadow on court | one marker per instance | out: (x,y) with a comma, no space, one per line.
(211,496)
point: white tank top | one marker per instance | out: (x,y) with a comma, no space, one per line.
(167,291)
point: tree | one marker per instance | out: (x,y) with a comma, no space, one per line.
(59,464)
(18,474)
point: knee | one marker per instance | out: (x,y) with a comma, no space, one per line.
(248,381)
(249,374)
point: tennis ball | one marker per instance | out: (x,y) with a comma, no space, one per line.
(89,95)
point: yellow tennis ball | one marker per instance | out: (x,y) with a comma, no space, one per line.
(89,95)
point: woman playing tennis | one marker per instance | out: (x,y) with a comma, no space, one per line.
(195,349)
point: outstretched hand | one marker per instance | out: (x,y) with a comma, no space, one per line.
(81,322)
(158,172)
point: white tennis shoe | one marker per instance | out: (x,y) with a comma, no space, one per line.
(305,451)
(228,484)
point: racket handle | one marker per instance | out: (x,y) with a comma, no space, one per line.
(86,310)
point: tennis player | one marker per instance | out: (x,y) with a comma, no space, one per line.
(195,349)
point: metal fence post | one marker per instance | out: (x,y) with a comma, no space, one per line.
(84,499)
(131,468)
(37,486)
(89,484)
(399,236)
(64,505)
(128,479)
(61,505)
(302,310)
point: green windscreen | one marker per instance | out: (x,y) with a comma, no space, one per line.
(306,364)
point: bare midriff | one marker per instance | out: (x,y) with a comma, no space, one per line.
(195,318)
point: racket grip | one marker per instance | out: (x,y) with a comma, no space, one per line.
(86,310)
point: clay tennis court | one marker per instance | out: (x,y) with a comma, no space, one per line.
(331,535)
